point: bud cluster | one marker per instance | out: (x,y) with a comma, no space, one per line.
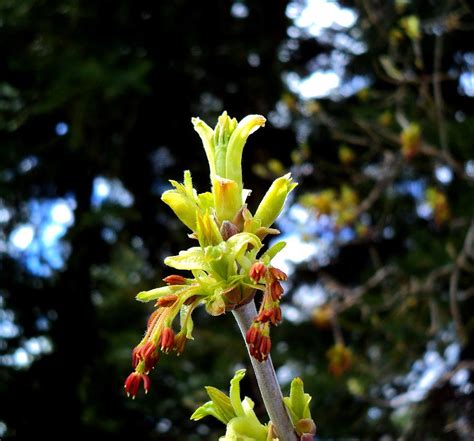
(258,336)
(160,336)
(227,269)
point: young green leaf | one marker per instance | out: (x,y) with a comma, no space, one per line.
(273,251)
(190,259)
(222,403)
(153,294)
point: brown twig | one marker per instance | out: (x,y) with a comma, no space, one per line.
(438,96)
(351,296)
(466,251)
(454,306)
(390,169)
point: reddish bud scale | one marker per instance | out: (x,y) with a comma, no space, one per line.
(133,381)
(167,340)
(257,271)
(190,300)
(175,279)
(228,229)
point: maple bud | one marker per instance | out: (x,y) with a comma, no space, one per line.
(228,229)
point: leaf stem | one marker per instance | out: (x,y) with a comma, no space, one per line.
(266,379)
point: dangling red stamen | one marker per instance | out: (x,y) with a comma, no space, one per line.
(278,274)
(257,271)
(133,381)
(167,340)
(265,347)
(276,291)
(179,343)
(149,355)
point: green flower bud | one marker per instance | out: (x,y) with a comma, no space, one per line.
(244,129)
(207,231)
(223,146)
(222,133)
(207,137)
(227,198)
(273,201)
(298,405)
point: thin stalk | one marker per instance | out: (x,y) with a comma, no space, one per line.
(266,379)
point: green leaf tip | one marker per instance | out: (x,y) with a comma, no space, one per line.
(235,392)
(222,403)
(274,200)
(238,415)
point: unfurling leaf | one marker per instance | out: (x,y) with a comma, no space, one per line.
(190,259)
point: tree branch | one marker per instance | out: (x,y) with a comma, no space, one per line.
(267,381)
